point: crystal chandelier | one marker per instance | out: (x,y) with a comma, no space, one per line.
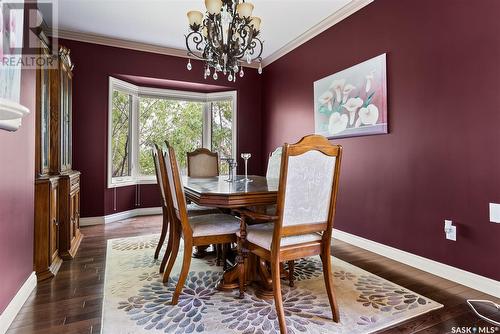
(225,37)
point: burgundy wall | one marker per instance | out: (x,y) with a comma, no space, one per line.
(441,159)
(17,191)
(94,64)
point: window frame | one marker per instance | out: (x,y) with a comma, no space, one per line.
(137,92)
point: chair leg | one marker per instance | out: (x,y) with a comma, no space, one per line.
(188,253)
(168,251)
(164,228)
(278,302)
(175,250)
(328,276)
(291,267)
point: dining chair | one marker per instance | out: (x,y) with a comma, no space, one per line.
(196,231)
(193,209)
(273,174)
(303,223)
(274,164)
(202,163)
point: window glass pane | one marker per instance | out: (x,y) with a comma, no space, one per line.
(222,119)
(120,134)
(179,122)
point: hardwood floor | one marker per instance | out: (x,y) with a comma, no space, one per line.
(71,302)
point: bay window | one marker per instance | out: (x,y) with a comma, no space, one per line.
(139,117)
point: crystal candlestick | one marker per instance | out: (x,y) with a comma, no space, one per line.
(245,157)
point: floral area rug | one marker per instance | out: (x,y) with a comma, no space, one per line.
(136,301)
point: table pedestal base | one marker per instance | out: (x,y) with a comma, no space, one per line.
(257,272)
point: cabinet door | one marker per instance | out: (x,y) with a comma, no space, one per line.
(44,119)
(54,223)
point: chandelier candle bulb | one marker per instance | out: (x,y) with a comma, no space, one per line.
(213,6)
(195,18)
(255,23)
(245,9)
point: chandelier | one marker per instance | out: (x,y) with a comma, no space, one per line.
(225,37)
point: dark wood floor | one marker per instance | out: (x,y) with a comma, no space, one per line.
(71,302)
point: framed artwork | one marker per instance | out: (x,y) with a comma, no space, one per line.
(352,102)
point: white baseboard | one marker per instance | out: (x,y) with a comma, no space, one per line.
(16,303)
(88,221)
(474,281)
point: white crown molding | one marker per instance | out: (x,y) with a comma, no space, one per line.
(330,21)
(119,43)
(16,303)
(474,281)
(89,221)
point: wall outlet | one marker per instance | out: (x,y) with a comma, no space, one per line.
(494,213)
(450,230)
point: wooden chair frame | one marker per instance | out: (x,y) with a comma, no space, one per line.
(199,151)
(180,222)
(279,254)
(161,175)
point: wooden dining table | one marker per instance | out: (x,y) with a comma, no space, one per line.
(218,192)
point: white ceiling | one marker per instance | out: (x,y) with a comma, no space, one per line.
(164,22)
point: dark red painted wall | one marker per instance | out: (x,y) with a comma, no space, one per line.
(17,191)
(441,159)
(94,64)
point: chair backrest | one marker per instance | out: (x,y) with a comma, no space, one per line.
(274,164)
(177,196)
(202,163)
(308,186)
(155,152)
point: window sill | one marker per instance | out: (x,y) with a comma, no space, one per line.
(134,182)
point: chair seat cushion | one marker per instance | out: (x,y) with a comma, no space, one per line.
(214,224)
(262,235)
(195,210)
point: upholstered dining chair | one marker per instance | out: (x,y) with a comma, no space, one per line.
(202,163)
(274,164)
(273,174)
(193,209)
(196,231)
(303,223)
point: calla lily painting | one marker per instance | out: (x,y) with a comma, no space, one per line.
(352,102)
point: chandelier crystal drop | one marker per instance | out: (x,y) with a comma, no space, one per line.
(225,37)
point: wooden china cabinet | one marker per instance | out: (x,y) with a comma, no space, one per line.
(57,185)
